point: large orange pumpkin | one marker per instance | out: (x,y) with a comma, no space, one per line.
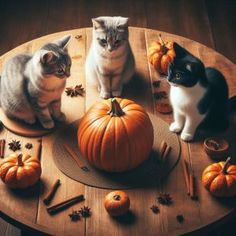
(220,179)
(161,54)
(20,171)
(115,135)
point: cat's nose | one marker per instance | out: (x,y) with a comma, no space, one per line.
(110,49)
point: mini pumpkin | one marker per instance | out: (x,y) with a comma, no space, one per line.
(161,54)
(117,203)
(111,135)
(20,171)
(220,179)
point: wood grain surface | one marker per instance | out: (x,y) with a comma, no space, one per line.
(28,208)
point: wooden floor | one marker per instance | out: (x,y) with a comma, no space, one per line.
(206,21)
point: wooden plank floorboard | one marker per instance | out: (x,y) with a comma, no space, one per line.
(8,230)
(21,21)
(222,21)
(185,18)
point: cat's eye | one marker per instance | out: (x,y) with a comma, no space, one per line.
(177,75)
(103,41)
(117,42)
(60,71)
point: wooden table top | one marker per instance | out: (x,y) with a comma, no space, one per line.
(26,208)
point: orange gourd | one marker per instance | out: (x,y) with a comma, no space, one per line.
(220,179)
(115,135)
(20,171)
(161,54)
(117,203)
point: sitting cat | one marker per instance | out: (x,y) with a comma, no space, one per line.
(31,85)
(199,95)
(110,61)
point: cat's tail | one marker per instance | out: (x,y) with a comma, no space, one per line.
(232,104)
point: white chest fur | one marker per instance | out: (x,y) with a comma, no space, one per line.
(186,99)
(185,105)
(110,62)
(52,89)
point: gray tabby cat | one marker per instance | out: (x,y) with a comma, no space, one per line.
(31,85)
(110,62)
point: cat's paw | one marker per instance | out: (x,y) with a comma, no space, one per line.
(174,127)
(105,95)
(186,137)
(116,93)
(48,124)
(61,117)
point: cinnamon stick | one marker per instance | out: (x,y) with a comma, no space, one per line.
(2,147)
(75,157)
(186,175)
(166,152)
(39,151)
(162,149)
(192,187)
(65,204)
(52,192)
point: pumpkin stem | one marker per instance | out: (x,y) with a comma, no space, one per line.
(116,197)
(19,160)
(115,108)
(164,49)
(224,171)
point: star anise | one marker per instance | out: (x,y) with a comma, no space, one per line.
(156,84)
(14,145)
(28,145)
(180,218)
(160,95)
(164,199)
(85,211)
(155,209)
(74,92)
(74,216)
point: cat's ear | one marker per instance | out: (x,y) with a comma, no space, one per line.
(196,68)
(63,42)
(179,51)
(123,23)
(48,57)
(98,23)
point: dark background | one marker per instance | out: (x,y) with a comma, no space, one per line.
(210,22)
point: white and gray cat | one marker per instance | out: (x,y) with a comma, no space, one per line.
(110,61)
(31,85)
(199,96)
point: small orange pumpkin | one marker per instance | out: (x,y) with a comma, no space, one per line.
(117,203)
(111,135)
(161,54)
(20,171)
(220,179)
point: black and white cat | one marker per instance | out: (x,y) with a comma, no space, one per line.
(199,95)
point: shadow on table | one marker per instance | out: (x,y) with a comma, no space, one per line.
(138,89)
(29,193)
(127,219)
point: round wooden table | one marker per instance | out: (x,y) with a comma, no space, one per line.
(26,209)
